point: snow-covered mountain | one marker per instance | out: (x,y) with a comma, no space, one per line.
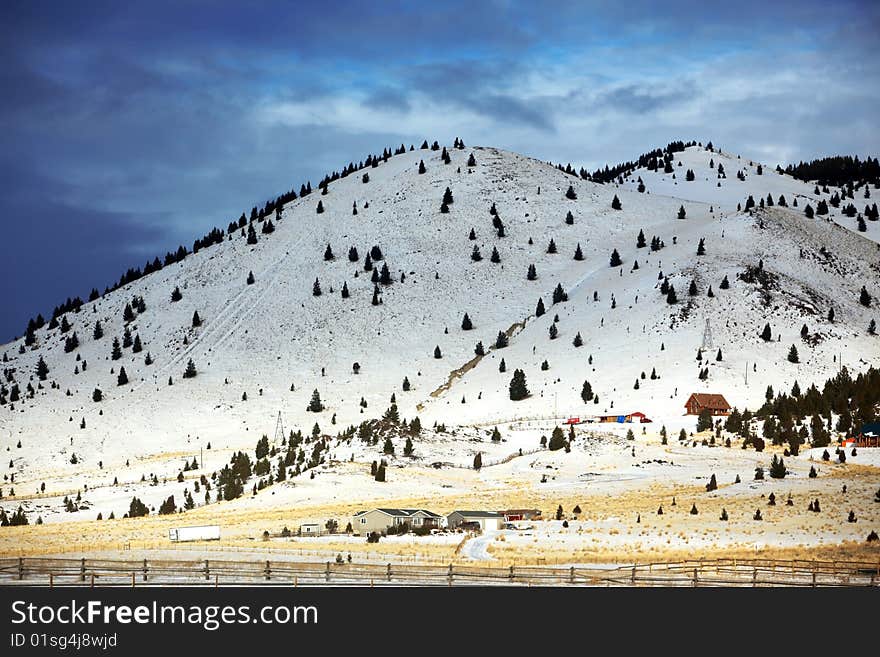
(276,342)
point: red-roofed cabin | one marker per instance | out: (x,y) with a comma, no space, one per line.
(698,401)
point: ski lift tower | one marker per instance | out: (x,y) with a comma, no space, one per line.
(279,430)
(707,336)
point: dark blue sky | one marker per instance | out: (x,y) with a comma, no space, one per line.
(129,128)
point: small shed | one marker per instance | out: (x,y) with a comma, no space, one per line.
(714,403)
(310,529)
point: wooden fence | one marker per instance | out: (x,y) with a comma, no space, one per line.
(216,572)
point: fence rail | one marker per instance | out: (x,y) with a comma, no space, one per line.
(215,572)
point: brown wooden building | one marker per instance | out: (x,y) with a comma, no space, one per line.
(698,401)
(869,436)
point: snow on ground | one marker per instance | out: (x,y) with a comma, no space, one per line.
(277,342)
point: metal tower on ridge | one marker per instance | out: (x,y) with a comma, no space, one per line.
(707,336)
(279,430)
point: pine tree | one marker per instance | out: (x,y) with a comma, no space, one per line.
(539,309)
(472,162)
(320,207)
(725,284)
(518,387)
(615,259)
(712,485)
(315,405)
(692,289)
(42,369)
(196,320)
(551,247)
(479,350)
(190,371)
(777,468)
(496,435)
(532,273)
(615,203)
(478,461)
(872,327)
(98,333)
(570,194)
(122,379)
(701,247)
(176,294)
(586,392)
(495,258)
(640,240)
(578,341)
(501,341)
(578,254)
(704,420)
(793,355)
(502,366)
(671,297)
(553,331)
(97,395)
(681,212)
(831,315)
(864,297)
(137,347)
(475,254)
(437,353)
(316,288)
(766,334)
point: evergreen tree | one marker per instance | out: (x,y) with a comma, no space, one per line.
(42,369)
(615,259)
(137,347)
(587,392)
(475,254)
(328,253)
(793,355)
(864,297)
(518,387)
(98,333)
(766,334)
(681,212)
(557,439)
(501,341)
(316,288)
(640,240)
(712,485)
(495,258)
(496,435)
(692,289)
(701,247)
(777,468)
(408,447)
(615,203)
(725,284)
(578,254)
(466,324)
(437,353)
(345,292)
(479,350)
(553,331)
(97,395)
(250,278)
(196,320)
(320,207)
(704,420)
(176,294)
(539,309)
(478,461)
(190,371)
(578,341)
(570,194)
(315,405)
(551,247)
(671,297)
(831,315)
(532,273)
(380,472)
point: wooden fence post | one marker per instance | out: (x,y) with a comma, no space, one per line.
(571,575)
(510,576)
(696,578)
(132,579)
(207,570)
(82,570)
(633,578)
(327,572)
(388,570)
(21,568)
(754,576)
(268,571)
(145,570)
(449,576)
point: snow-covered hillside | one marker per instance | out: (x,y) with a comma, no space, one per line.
(277,342)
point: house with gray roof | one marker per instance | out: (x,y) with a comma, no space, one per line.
(379,520)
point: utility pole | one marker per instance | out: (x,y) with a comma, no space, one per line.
(747,372)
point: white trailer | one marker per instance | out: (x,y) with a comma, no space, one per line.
(201,533)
